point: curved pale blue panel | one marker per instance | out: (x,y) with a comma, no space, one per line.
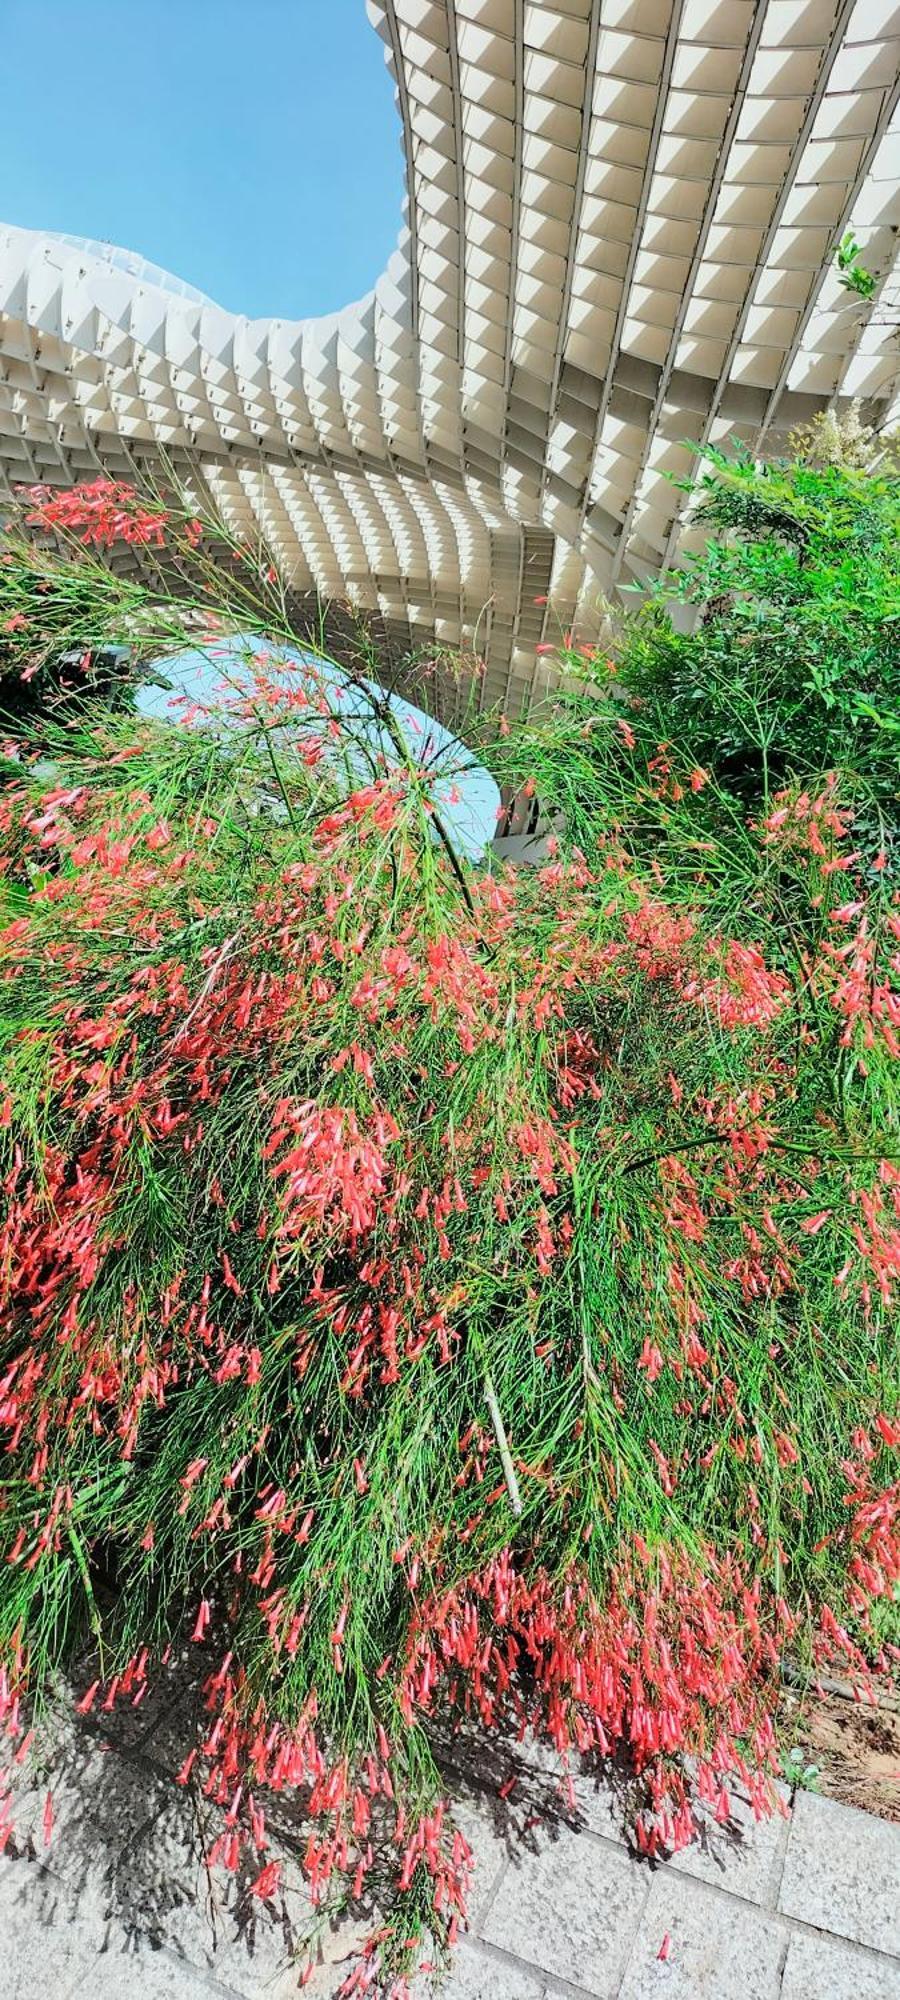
(380,731)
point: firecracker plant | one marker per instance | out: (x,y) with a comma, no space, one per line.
(435,1292)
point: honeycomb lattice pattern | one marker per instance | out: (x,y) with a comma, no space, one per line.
(618,239)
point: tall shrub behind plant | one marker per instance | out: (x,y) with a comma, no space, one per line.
(775,649)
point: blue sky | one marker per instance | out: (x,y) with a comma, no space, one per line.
(249,146)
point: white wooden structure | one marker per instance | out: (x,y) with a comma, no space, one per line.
(618,237)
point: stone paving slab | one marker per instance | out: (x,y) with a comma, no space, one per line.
(100,1802)
(571,1910)
(480,1975)
(134,1971)
(588,1796)
(260,1965)
(489,1853)
(42,1952)
(842,1872)
(818,1968)
(122,1904)
(716,1946)
(167,1892)
(745,1856)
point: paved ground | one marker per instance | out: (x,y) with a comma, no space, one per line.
(802,1908)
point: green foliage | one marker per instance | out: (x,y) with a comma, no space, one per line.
(429,1288)
(791,656)
(853,274)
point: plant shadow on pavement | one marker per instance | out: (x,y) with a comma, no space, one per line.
(128,1851)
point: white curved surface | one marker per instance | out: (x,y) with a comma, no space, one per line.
(132,263)
(618,243)
(215,685)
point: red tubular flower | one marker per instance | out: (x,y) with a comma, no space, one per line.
(295,1168)
(202,1620)
(100,513)
(267,1882)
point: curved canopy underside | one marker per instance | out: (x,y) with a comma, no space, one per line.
(617,245)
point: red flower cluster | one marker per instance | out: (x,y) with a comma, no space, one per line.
(101,513)
(681,1657)
(426,1298)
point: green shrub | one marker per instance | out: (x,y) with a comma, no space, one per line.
(792,662)
(433,1293)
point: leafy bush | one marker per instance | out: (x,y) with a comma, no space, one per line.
(430,1291)
(854,277)
(792,659)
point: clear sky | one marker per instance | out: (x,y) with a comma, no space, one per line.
(249,146)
